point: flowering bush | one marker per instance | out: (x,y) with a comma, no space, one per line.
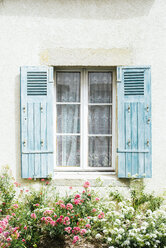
(7,191)
(139,221)
(35,216)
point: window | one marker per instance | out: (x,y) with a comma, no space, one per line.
(85,119)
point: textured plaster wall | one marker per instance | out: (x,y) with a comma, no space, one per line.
(81,32)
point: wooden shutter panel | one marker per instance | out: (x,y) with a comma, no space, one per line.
(134,122)
(36,121)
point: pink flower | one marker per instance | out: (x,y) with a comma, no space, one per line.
(94,210)
(97,199)
(66,218)
(37,204)
(62,205)
(48,212)
(33,216)
(77,196)
(83,191)
(1,230)
(23,240)
(86,185)
(26,190)
(83,231)
(9,239)
(75,239)
(70,187)
(68,229)
(13,214)
(29,178)
(59,220)
(48,218)
(76,230)
(47,182)
(88,226)
(15,205)
(42,179)
(101,215)
(53,223)
(76,201)
(69,206)
(6,234)
(25,227)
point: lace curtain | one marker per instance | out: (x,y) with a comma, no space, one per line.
(100,119)
(68,119)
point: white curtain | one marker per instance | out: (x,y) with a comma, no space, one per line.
(100,119)
(68,119)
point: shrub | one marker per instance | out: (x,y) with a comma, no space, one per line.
(7,190)
(35,216)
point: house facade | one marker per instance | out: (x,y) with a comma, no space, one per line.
(83,91)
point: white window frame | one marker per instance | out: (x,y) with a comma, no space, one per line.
(84,120)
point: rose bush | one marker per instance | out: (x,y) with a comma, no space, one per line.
(39,215)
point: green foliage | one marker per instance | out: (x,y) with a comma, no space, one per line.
(7,190)
(114,220)
(140,199)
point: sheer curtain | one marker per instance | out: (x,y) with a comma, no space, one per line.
(100,119)
(68,119)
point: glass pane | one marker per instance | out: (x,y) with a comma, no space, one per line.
(68,150)
(68,86)
(100,119)
(100,87)
(68,118)
(100,151)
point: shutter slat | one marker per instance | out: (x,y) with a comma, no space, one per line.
(127,139)
(134,137)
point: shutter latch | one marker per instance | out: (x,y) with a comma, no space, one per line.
(42,142)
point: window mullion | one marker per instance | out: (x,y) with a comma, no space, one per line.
(84,119)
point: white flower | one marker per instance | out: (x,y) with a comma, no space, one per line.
(117,222)
(126,242)
(98,236)
(121,230)
(109,239)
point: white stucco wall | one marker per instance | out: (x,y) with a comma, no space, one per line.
(81,32)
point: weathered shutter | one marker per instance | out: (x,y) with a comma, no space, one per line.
(134,122)
(36,121)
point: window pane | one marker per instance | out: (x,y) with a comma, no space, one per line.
(100,87)
(68,118)
(68,150)
(100,119)
(68,86)
(100,151)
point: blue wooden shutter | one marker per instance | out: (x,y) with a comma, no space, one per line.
(36,121)
(134,122)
